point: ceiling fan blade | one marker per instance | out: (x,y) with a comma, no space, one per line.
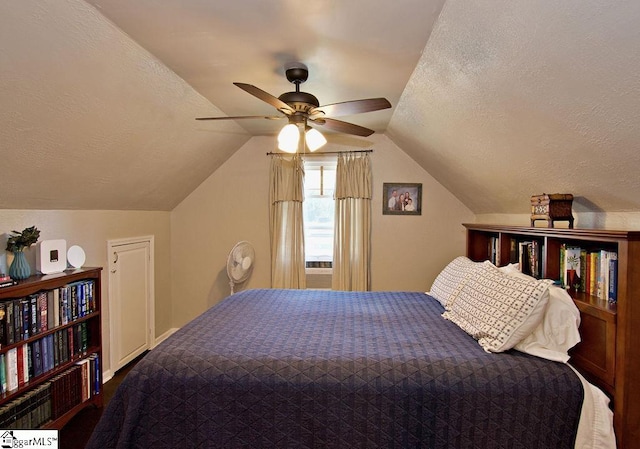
(343,127)
(352,107)
(266,97)
(268,117)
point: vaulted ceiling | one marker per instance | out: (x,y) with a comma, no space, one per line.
(498,100)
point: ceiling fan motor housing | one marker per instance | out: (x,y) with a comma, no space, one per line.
(300,101)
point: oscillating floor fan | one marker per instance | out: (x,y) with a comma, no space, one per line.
(240,263)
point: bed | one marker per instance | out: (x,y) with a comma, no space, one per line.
(270,368)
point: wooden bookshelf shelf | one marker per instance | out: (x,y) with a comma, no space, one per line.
(51,347)
(608,354)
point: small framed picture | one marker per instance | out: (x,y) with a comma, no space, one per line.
(401,198)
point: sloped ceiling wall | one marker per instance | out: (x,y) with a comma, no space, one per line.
(497,100)
(516,98)
(91,120)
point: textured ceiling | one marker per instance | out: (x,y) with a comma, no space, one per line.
(516,98)
(354,49)
(497,100)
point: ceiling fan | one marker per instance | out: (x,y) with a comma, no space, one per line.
(303,109)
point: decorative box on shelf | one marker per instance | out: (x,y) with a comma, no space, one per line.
(552,207)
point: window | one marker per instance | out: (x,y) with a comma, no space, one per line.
(319,211)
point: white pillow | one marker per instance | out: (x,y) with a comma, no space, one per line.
(498,309)
(514,270)
(557,332)
(451,278)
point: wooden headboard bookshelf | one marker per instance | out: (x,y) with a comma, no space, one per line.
(609,353)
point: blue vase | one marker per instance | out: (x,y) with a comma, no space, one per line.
(19,268)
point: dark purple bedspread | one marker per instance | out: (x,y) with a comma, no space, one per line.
(325,369)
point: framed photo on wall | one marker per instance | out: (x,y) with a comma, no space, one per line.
(401,198)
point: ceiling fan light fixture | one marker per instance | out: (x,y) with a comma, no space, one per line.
(314,139)
(288,138)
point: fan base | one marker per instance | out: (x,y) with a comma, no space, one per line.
(297,73)
(300,101)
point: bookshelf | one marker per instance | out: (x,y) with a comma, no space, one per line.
(50,349)
(608,354)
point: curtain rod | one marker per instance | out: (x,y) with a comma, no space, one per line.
(322,153)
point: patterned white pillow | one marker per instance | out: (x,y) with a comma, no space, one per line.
(497,309)
(451,279)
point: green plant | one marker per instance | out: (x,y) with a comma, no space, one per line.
(21,240)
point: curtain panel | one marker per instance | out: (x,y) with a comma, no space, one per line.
(352,238)
(286,194)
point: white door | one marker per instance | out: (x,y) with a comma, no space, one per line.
(131,299)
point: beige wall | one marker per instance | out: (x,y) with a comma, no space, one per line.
(91,230)
(410,251)
(192,241)
(232,205)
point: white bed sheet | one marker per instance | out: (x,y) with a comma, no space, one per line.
(595,430)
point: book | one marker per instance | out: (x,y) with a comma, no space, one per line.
(3,324)
(28,316)
(44,354)
(603,275)
(523,257)
(572,267)
(96,374)
(9,322)
(36,357)
(583,271)
(513,251)
(26,357)
(563,274)
(64,305)
(595,266)
(12,369)
(534,258)
(74,302)
(613,278)
(493,253)
(20,365)
(50,307)
(84,337)
(56,307)
(43,303)
(587,275)
(85,390)
(3,374)
(49,359)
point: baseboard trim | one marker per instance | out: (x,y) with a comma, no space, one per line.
(107,376)
(164,336)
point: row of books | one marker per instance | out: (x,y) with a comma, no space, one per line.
(29,360)
(525,253)
(6,281)
(23,318)
(53,398)
(493,250)
(528,257)
(592,272)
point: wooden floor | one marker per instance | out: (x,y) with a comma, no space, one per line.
(77,431)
